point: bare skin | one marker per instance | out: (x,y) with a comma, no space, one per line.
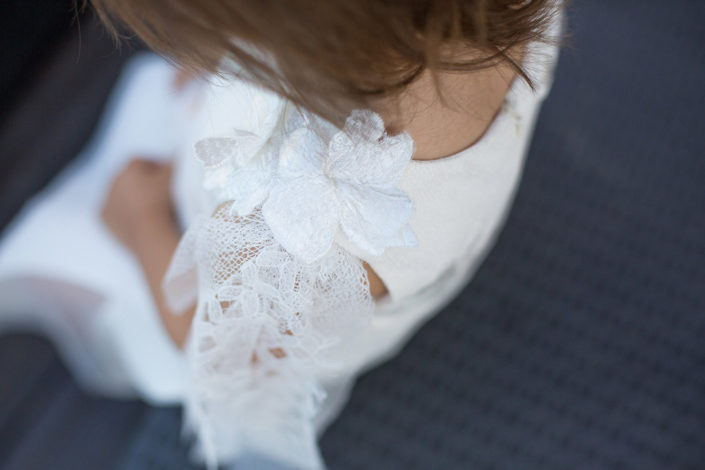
(139,210)
(442,126)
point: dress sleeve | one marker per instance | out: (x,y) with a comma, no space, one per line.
(263,323)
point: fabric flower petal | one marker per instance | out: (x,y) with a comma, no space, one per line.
(301,155)
(239,147)
(243,106)
(249,186)
(303,216)
(342,157)
(215,151)
(397,150)
(365,123)
(247,189)
(248,145)
(295,118)
(374,160)
(373,219)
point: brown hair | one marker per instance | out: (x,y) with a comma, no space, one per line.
(331,56)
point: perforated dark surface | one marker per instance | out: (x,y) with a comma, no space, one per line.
(580,344)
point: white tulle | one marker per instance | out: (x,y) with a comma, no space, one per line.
(274,291)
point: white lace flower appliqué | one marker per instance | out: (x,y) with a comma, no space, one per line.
(240,166)
(349,183)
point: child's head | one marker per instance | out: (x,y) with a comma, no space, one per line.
(333,55)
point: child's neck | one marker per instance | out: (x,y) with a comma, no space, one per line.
(443,128)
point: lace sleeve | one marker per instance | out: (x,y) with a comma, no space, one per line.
(262,326)
(275,290)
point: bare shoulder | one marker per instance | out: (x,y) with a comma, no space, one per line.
(443,125)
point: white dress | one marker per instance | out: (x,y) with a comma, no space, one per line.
(63,273)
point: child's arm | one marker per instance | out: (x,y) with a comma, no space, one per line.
(154,248)
(138,211)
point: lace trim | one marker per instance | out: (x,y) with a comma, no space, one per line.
(261,330)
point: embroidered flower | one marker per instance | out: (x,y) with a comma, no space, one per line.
(349,183)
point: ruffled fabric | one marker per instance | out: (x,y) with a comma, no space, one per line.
(274,291)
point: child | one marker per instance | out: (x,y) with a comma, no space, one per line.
(356,162)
